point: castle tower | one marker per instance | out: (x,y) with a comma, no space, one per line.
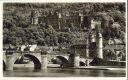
(59,20)
(93,23)
(81,19)
(34,17)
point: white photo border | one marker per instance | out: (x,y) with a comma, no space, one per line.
(54,78)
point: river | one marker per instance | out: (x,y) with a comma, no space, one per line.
(63,72)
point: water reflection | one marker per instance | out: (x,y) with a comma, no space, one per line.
(63,72)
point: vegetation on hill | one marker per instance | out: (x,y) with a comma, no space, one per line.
(17,28)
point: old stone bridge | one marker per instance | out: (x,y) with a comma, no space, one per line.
(40,59)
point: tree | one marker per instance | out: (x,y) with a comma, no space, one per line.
(41,41)
(16,22)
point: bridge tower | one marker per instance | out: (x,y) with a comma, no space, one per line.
(99,42)
(99,46)
(87,48)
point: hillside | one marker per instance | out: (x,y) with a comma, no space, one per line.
(17,27)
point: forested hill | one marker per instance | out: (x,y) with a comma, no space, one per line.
(17,28)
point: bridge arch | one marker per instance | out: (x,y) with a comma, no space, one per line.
(63,59)
(37,63)
(82,63)
(18,60)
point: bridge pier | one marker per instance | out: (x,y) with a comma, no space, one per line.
(74,57)
(76,61)
(87,62)
(9,61)
(117,52)
(44,61)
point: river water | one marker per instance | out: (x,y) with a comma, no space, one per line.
(63,72)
